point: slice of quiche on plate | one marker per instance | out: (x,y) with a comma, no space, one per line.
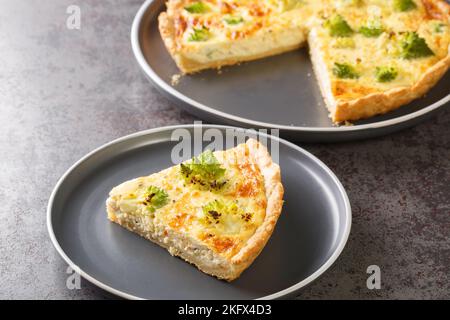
(216,211)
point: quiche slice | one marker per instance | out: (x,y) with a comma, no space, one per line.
(202,34)
(371,57)
(216,211)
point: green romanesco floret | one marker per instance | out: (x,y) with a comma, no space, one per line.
(345,71)
(204,170)
(155,198)
(413,46)
(385,74)
(338,27)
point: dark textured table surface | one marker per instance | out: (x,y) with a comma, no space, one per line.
(65,92)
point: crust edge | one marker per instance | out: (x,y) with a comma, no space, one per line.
(274,194)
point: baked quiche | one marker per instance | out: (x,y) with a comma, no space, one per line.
(216,211)
(369,56)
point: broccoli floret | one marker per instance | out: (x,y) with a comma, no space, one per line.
(372,29)
(345,71)
(214,210)
(233,20)
(404,5)
(155,198)
(385,74)
(338,27)
(218,211)
(204,170)
(413,46)
(197,7)
(198,34)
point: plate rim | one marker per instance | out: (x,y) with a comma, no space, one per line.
(277,295)
(156,79)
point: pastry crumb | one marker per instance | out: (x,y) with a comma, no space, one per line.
(175,79)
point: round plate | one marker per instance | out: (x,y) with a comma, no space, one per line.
(311,232)
(276,92)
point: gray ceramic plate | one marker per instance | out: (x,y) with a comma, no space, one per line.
(277,92)
(310,234)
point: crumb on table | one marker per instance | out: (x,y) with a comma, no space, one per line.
(175,79)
